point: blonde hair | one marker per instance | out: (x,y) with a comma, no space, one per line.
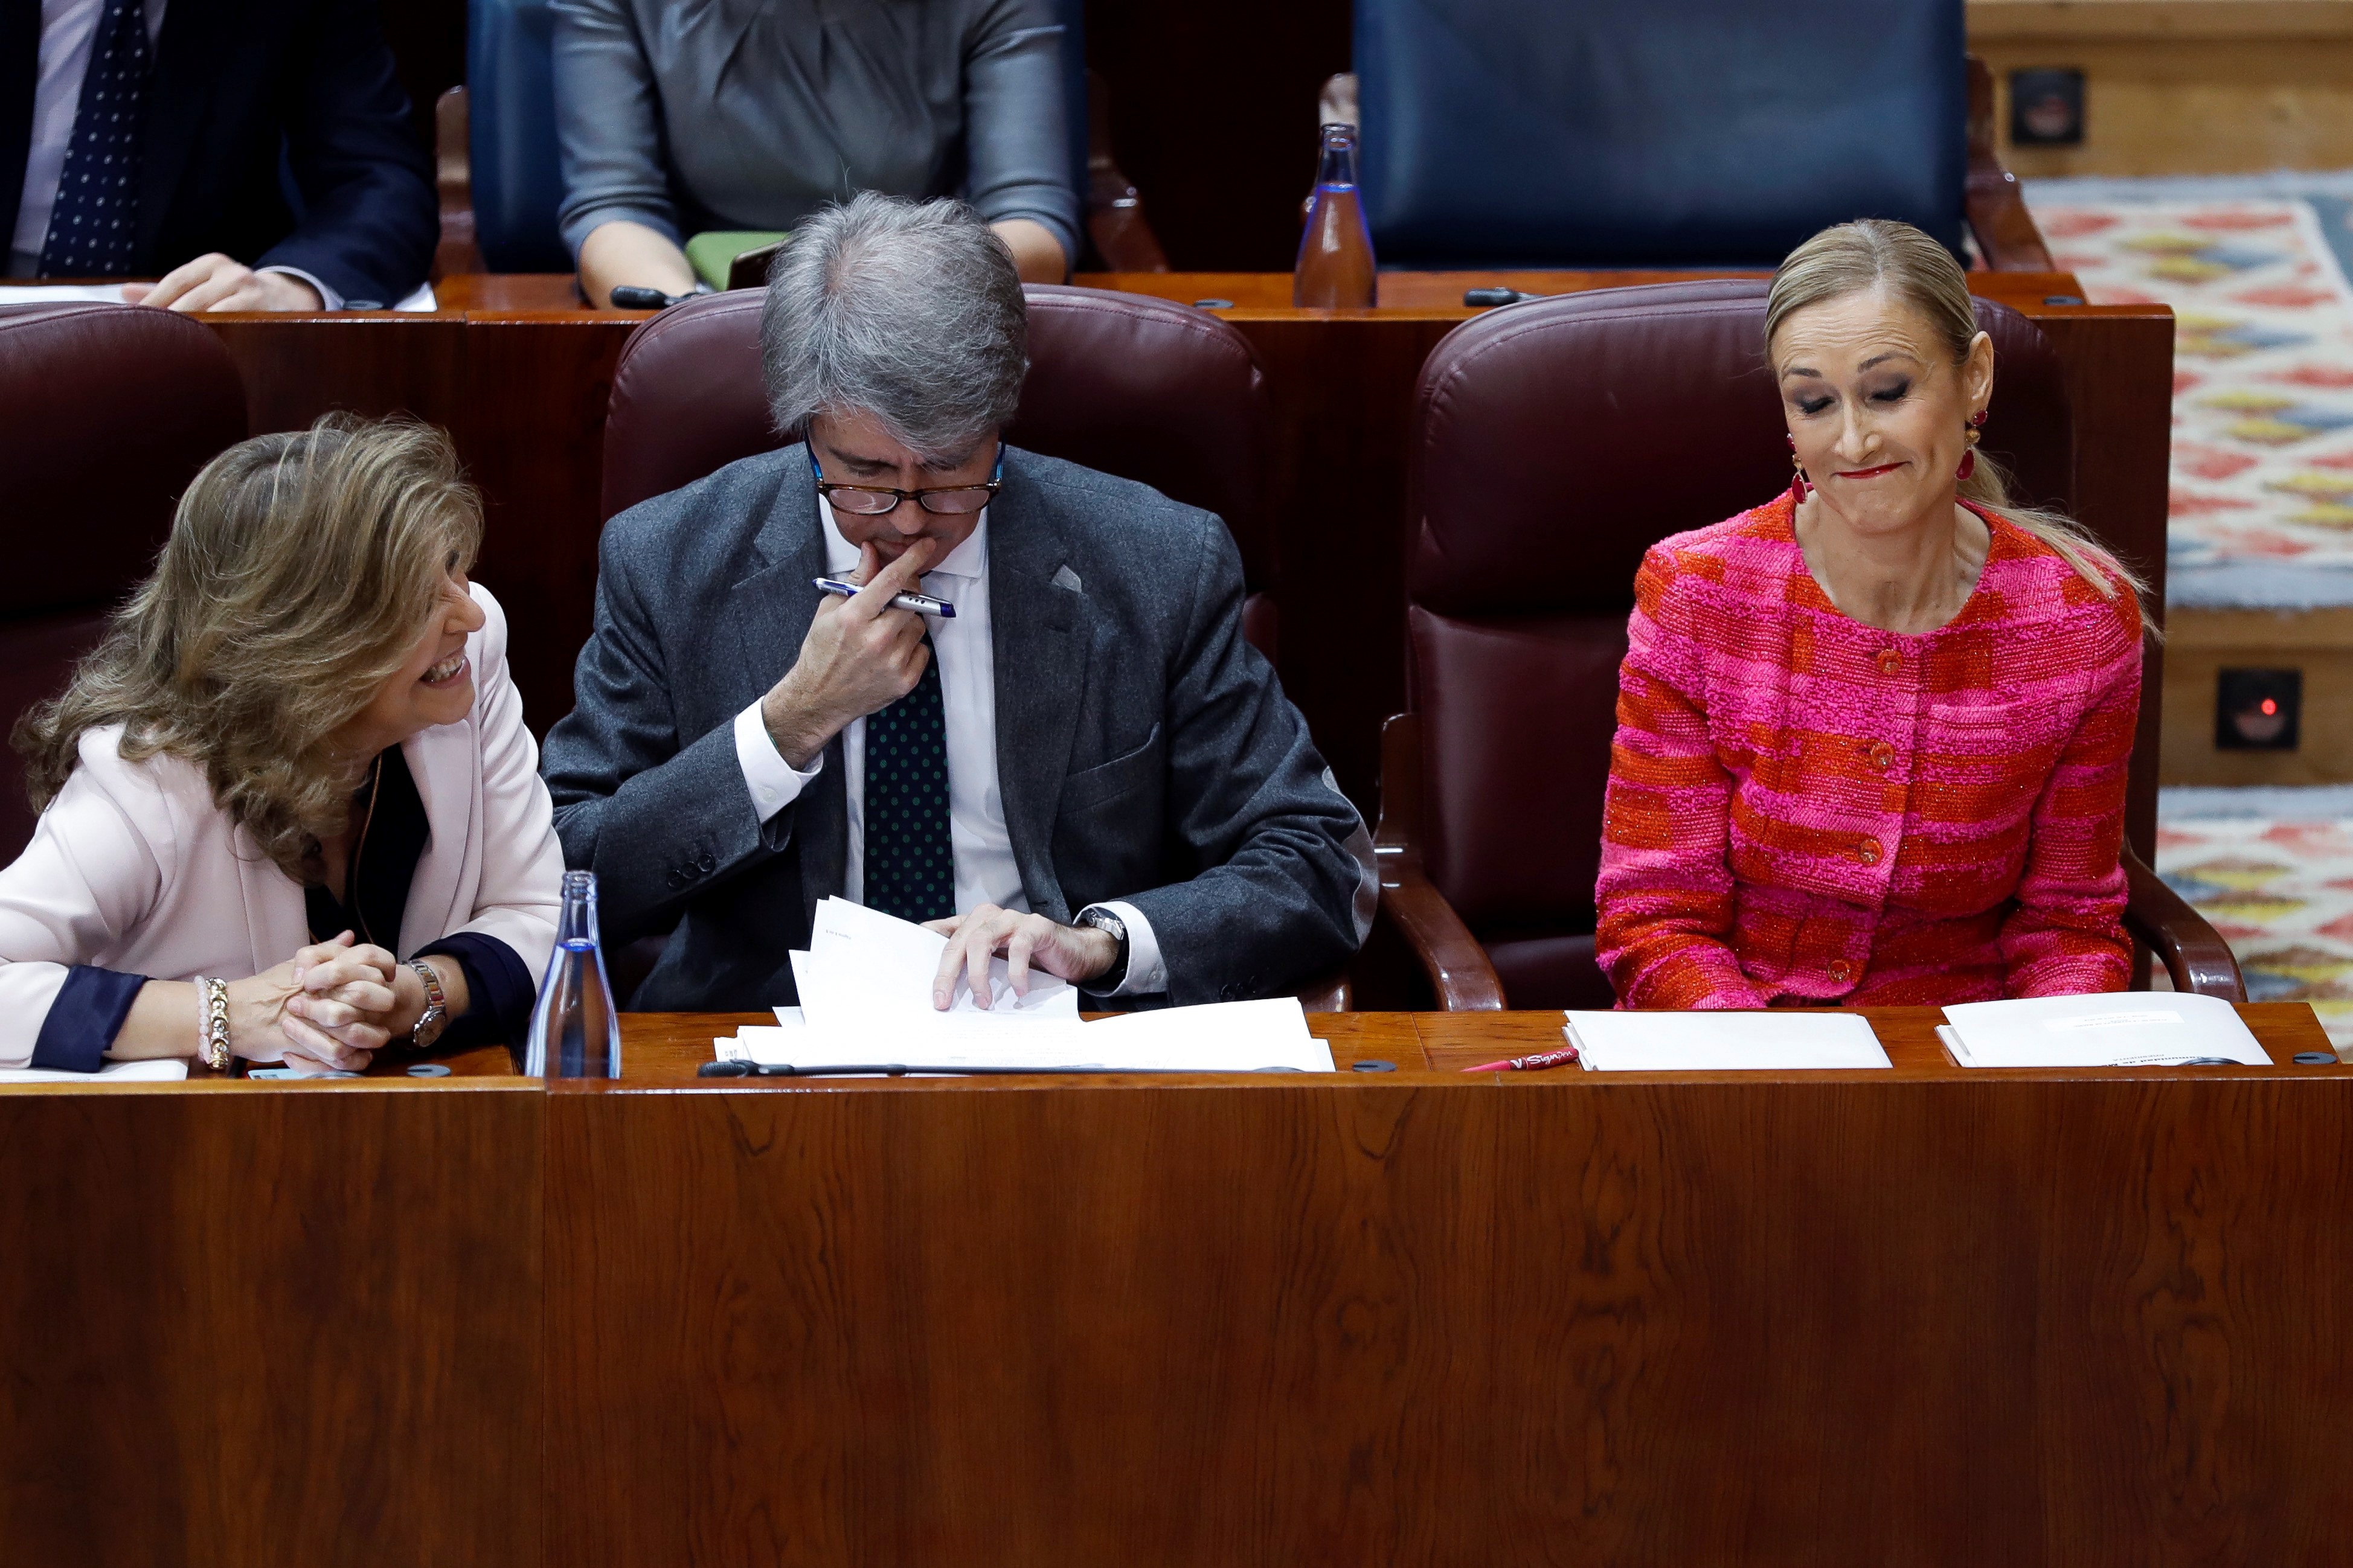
(301,571)
(1875,253)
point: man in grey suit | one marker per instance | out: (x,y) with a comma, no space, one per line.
(1084,769)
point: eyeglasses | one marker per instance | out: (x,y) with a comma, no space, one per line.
(873,501)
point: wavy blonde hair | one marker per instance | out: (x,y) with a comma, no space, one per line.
(1875,253)
(301,571)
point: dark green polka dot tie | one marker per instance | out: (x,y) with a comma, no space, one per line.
(910,860)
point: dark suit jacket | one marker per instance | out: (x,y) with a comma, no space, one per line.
(1144,750)
(243,89)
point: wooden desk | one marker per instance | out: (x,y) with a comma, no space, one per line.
(1419,1316)
(1427,1318)
(521,375)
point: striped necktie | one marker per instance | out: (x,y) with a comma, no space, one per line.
(96,219)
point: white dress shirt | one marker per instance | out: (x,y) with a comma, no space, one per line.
(983,849)
(69,31)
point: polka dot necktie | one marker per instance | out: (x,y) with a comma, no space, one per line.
(96,218)
(910,862)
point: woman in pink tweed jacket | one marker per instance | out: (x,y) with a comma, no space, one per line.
(1872,735)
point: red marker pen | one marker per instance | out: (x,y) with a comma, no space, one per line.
(1542,1059)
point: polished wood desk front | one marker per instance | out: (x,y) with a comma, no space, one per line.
(1416,1316)
(521,375)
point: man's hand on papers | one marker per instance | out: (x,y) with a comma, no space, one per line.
(217,282)
(860,656)
(1076,953)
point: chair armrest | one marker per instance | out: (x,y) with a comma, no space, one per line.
(453,176)
(2005,230)
(1115,220)
(1333,992)
(2195,957)
(1458,967)
(1451,956)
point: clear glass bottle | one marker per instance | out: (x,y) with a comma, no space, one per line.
(1336,254)
(575,1030)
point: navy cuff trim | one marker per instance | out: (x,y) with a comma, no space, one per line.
(84,1018)
(501,989)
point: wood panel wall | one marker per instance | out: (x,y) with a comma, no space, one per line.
(2181,87)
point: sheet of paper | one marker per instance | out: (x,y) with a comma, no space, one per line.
(1269,1032)
(1231,1037)
(865,985)
(861,963)
(2130,1028)
(167,1070)
(112,294)
(1719,1042)
(61,294)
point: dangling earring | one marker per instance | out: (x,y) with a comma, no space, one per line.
(1800,486)
(1969,458)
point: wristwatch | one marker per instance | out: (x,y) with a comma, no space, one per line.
(436,1016)
(1103,919)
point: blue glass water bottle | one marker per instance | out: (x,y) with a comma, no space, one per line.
(576,1031)
(1336,254)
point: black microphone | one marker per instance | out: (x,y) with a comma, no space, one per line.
(1479,298)
(632,297)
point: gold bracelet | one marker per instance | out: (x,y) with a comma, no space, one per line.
(212,1023)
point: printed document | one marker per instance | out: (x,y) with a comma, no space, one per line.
(167,1069)
(1718,1042)
(2115,1028)
(865,985)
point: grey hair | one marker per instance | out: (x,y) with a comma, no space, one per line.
(910,311)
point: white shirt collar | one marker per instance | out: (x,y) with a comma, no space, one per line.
(968,559)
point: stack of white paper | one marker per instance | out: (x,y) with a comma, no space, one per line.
(1714,1042)
(2136,1028)
(164,1070)
(866,1001)
(863,966)
(112,294)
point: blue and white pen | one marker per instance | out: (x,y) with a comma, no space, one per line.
(921,603)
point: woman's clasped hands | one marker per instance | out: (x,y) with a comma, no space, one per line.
(329,1008)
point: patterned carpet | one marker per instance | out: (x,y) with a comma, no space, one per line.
(2262,453)
(2273,870)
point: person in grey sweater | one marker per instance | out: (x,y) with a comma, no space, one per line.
(1085,769)
(751,114)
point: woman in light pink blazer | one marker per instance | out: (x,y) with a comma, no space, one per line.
(290,809)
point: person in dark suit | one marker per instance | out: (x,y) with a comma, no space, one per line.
(1086,769)
(258,154)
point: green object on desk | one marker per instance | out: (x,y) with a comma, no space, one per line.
(712,253)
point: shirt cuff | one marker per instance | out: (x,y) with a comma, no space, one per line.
(86,1016)
(1146,975)
(328,299)
(498,990)
(774,782)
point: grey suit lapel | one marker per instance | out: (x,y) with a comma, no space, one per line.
(1037,637)
(762,622)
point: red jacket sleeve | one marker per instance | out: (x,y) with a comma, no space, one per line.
(2067,937)
(1664,896)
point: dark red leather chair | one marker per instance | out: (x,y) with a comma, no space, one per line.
(106,413)
(1143,388)
(1554,442)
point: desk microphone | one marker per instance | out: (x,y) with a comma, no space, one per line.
(631,297)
